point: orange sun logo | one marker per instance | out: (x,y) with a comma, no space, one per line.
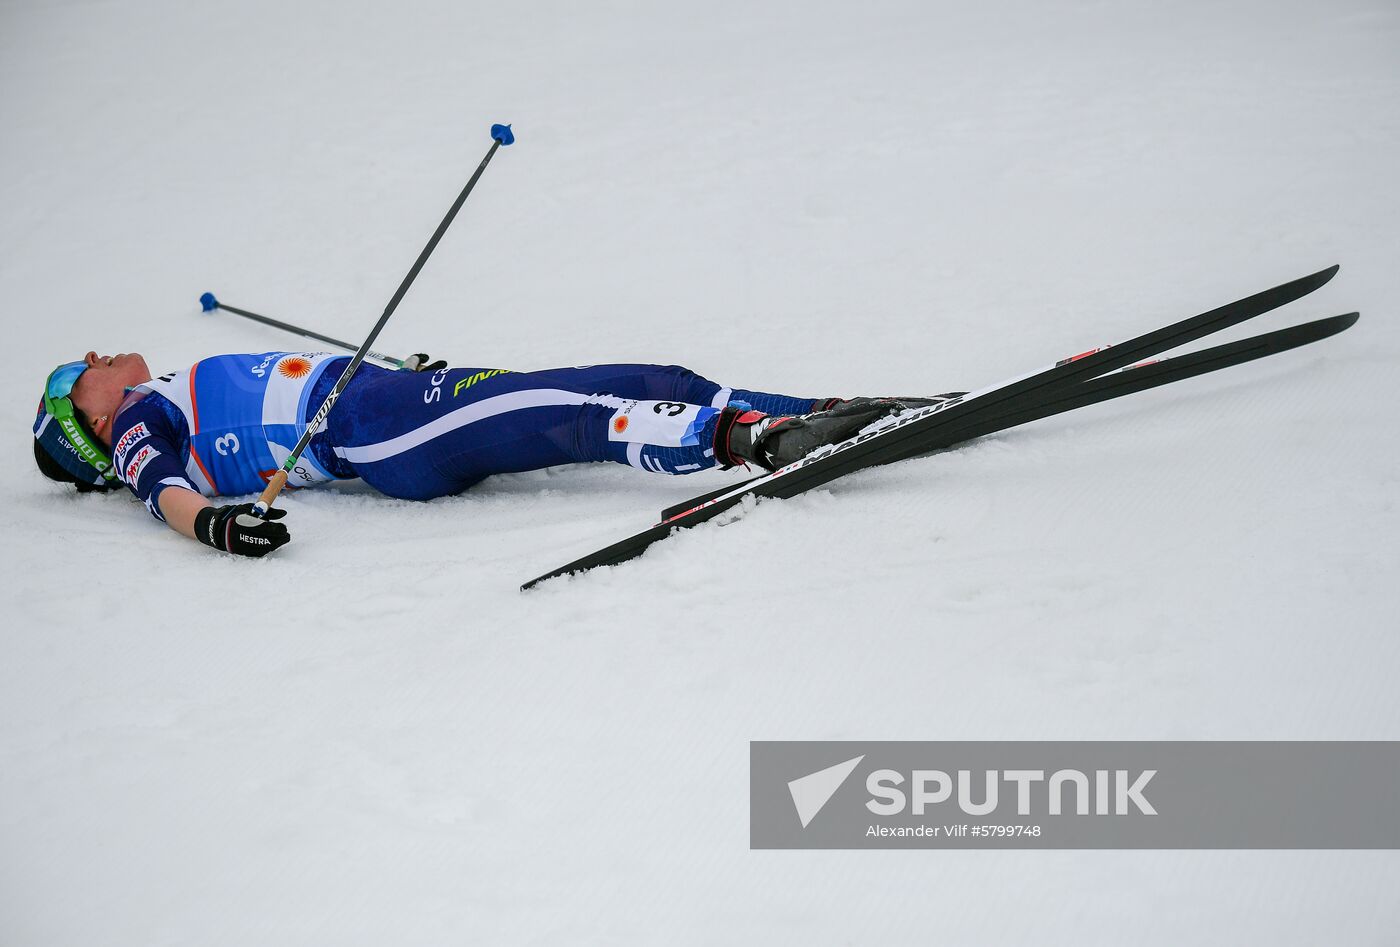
(620,424)
(294,367)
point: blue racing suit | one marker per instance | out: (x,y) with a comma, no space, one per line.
(226,424)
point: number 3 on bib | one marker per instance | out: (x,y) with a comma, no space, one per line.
(660,423)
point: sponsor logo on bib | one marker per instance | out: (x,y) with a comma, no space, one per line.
(144,456)
(294,366)
(127,440)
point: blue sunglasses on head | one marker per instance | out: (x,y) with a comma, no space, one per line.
(60,406)
(63,378)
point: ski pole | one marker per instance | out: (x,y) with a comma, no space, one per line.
(500,135)
(210,302)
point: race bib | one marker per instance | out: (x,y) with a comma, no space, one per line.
(661,423)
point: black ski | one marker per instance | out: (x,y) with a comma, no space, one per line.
(1129,380)
(922,430)
(1164,371)
(905,438)
(1126,381)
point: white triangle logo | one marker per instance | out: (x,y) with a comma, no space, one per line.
(811,792)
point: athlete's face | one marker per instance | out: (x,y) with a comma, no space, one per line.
(99,390)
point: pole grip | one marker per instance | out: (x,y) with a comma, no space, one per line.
(269,496)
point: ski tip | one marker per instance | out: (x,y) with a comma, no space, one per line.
(527,586)
(503,134)
(209,302)
(1317,330)
(1322,276)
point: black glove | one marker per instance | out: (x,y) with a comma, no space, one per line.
(235,529)
(420,363)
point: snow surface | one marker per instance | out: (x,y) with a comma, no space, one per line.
(374,738)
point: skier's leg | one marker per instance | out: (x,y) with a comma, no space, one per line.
(675,383)
(419,436)
(671,383)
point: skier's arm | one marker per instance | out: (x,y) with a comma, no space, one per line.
(179,506)
(148,462)
(228,528)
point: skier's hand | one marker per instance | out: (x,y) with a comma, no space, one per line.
(235,529)
(420,363)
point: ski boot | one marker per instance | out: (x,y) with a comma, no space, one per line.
(745,436)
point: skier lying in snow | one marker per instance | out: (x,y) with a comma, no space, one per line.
(226,424)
